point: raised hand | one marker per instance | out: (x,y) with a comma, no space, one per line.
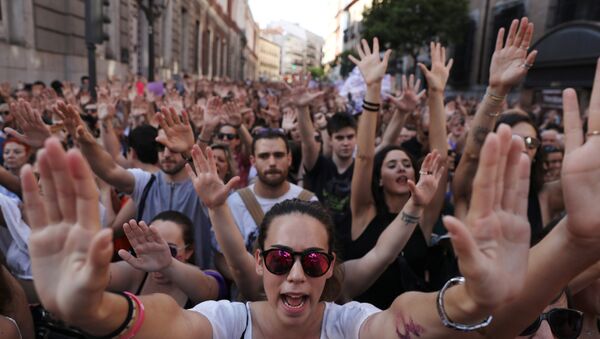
(298,94)
(410,96)
(370,65)
(70,255)
(511,61)
(152,251)
(430,175)
(581,166)
(209,187)
(35,131)
(289,120)
(73,122)
(212,113)
(233,113)
(440,70)
(493,246)
(178,136)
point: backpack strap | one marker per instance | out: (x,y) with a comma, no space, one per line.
(252,205)
(306,195)
(142,204)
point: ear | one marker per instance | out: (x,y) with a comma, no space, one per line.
(131,153)
(258,262)
(380,182)
(252,160)
(289,158)
(329,273)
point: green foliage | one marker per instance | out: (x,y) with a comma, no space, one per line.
(346,65)
(317,72)
(408,25)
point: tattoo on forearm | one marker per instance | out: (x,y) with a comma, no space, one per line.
(480,134)
(406,330)
(409,219)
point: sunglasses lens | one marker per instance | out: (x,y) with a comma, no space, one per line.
(278,261)
(565,324)
(531,329)
(173,250)
(315,264)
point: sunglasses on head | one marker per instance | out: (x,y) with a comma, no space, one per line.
(564,323)
(280,261)
(228,136)
(268,130)
(531,142)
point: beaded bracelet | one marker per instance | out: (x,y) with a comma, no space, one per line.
(494,97)
(442,312)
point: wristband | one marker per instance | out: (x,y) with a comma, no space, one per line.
(126,323)
(370,103)
(204,141)
(223,290)
(442,312)
(139,321)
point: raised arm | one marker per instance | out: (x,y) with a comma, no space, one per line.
(70,255)
(29,120)
(213,193)
(492,252)
(100,161)
(300,98)
(405,104)
(573,244)
(436,77)
(508,67)
(362,203)
(153,255)
(360,274)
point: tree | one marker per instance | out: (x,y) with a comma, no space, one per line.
(406,26)
(346,65)
(317,72)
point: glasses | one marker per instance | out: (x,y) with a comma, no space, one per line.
(564,323)
(174,249)
(531,142)
(279,261)
(228,136)
(160,147)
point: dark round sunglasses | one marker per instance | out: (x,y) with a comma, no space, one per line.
(564,323)
(280,261)
(228,136)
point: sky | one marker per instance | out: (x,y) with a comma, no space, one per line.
(309,14)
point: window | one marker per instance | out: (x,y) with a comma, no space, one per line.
(569,10)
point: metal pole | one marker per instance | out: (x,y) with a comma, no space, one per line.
(150,18)
(91,50)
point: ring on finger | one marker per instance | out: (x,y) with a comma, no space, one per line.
(592,133)
(524,48)
(425,172)
(526,65)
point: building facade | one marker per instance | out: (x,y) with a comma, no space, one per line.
(45,40)
(300,48)
(269,56)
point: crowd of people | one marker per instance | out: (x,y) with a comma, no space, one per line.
(216,209)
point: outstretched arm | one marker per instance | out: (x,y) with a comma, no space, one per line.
(362,203)
(508,67)
(70,255)
(213,193)
(360,274)
(153,255)
(492,251)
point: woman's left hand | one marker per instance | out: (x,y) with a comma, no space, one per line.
(151,250)
(493,244)
(430,175)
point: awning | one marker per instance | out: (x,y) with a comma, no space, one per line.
(566,57)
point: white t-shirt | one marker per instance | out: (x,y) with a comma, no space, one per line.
(243,218)
(230,319)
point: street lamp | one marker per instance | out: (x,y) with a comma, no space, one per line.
(152,10)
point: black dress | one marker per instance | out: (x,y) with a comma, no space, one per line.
(407,273)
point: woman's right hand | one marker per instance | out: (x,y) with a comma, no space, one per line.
(152,252)
(209,187)
(70,255)
(370,65)
(511,60)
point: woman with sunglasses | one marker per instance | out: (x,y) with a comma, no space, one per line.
(296,259)
(557,321)
(163,262)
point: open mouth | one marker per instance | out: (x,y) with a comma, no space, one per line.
(294,302)
(402,179)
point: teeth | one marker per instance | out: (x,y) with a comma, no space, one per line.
(293,302)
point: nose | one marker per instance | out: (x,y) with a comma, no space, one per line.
(296,273)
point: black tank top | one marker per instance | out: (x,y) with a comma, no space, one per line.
(407,273)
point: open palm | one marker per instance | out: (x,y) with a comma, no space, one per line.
(431,173)
(493,246)
(152,251)
(371,66)
(178,136)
